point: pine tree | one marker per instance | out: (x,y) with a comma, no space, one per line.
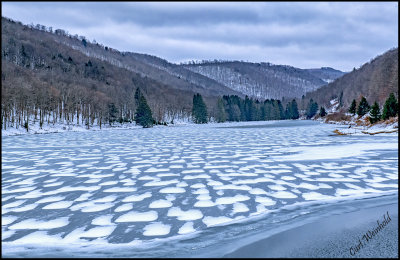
(391,107)
(353,107)
(295,110)
(312,109)
(292,111)
(341,99)
(143,114)
(363,107)
(281,113)
(138,93)
(221,115)
(112,113)
(322,112)
(375,113)
(199,110)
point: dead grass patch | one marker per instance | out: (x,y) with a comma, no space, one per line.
(338,132)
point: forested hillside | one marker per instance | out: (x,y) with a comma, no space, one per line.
(375,80)
(265,80)
(53,76)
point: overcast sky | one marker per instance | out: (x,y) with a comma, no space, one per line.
(341,35)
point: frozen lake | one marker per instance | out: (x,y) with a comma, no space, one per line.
(168,191)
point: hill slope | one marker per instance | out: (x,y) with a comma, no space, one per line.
(58,77)
(264,80)
(375,80)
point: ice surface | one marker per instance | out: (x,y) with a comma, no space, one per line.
(37,224)
(24,208)
(315,196)
(214,221)
(156,229)
(13,204)
(109,187)
(231,200)
(172,190)
(204,204)
(334,151)
(104,220)
(140,197)
(134,216)
(102,231)
(186,228)
(124,207)
(41,236)
(182,215)
(59,205)
(239,207)
(95,207)
(283,195)
(160,204)
(120,189)
(8,220)
(265,201)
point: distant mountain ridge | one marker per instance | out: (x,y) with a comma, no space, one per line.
(327,74)
(265,80)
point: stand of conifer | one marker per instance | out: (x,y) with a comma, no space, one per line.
(143,114)
(391,107)
(374,113)
(199,111)
(363,107)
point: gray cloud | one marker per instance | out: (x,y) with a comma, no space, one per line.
(342,35)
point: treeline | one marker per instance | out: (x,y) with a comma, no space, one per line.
(233,108)
(390,109)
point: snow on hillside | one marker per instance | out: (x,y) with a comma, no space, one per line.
(260,81)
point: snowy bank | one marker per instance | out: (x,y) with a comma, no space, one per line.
(361,126)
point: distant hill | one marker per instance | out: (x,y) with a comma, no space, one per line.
(265,80)
(327,74)
(374,80)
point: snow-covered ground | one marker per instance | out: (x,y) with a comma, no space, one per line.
(91,192)
(361,126)
(34,128)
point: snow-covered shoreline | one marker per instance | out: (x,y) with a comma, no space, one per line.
(390,127)
(353,128)
(59,128)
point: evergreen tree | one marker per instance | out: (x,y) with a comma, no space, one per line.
(138,93)
(292,111)
(143,114)
(235,113)
(280,109)
(353,107)
(112,113)
(391,107)
(199,110)
(375,113)
(312,109)
(363,107)
(322,112)
(250,109)
(341,99)
(221,115)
